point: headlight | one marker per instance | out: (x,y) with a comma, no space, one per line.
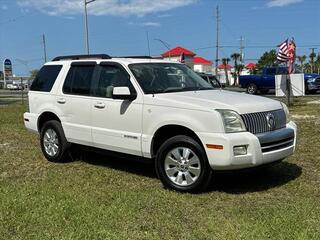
(232,121)
(286,111)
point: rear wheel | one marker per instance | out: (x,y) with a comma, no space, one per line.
(54,144)
(182,165)
(252,88)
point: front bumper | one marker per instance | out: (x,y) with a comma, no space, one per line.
(261,149)
(314,86)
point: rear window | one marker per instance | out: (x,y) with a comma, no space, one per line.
(78,80)
(46,78)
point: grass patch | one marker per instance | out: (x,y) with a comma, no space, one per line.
(99,197)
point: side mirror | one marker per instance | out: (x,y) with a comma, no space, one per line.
(123,93)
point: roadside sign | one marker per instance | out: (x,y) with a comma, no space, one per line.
(7,70)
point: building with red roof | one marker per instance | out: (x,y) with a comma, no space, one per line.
(202,65)
(198,64)
(177,52)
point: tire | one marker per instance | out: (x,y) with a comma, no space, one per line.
(264,91)
(54,144)
(252,88)
(312,91)
(190,174)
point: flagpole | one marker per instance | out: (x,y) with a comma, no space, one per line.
(288,83)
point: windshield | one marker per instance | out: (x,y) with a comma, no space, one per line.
(167,77)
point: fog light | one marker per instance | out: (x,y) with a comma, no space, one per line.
(240,150)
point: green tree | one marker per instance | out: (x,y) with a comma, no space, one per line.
(301,59)
(225,62)
(33,73)
(317,64)
(268,59)
(235,57)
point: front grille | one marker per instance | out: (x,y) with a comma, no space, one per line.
(259,123)
(276,145)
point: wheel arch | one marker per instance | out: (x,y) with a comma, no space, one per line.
(167,131)
(45,117)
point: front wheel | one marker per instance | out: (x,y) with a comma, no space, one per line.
(252,88)
(182,165)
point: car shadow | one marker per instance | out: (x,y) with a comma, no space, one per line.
(256,179)
(233,182)
(133,165)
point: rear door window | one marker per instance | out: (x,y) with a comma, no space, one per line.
(46,78)
(78,80)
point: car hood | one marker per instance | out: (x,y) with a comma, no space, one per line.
(310,75)
(217,99)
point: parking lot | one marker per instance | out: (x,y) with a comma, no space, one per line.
(102,197)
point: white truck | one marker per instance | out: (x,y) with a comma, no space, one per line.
(158,110)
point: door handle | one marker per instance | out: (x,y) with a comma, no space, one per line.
(99,105)
(61,101)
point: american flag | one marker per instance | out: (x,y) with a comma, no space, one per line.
(283,53)
(287,53)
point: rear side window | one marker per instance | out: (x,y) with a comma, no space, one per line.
(46,78)
(271,71)
(78,80)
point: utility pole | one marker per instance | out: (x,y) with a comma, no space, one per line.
(217,39)
(86,2)
(241,49)
(312,55)
(147,33)
(44,47)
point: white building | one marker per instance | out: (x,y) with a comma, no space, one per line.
(202,65)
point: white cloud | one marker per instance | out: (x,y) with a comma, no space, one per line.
(4,7)
(146,24)
(105,7)
(282,3)
(151,24)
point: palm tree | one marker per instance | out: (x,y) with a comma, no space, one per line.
(225,62)
(301,59)
(235,57)
(238,70)
(312,56)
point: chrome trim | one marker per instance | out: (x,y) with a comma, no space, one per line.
(258,122)
(277,144)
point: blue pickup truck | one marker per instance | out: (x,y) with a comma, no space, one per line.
(266,81)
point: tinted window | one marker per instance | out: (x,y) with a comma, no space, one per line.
(45,78)
(112,76)
(271,71)
(78,80)
(282,71)
(167,77)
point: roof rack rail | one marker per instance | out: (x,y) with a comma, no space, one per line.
(78,57)
(138,57)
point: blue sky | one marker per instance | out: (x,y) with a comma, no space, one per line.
(118,27)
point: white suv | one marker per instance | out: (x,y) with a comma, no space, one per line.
(158,110)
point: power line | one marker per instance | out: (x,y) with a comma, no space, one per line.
(254,46)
